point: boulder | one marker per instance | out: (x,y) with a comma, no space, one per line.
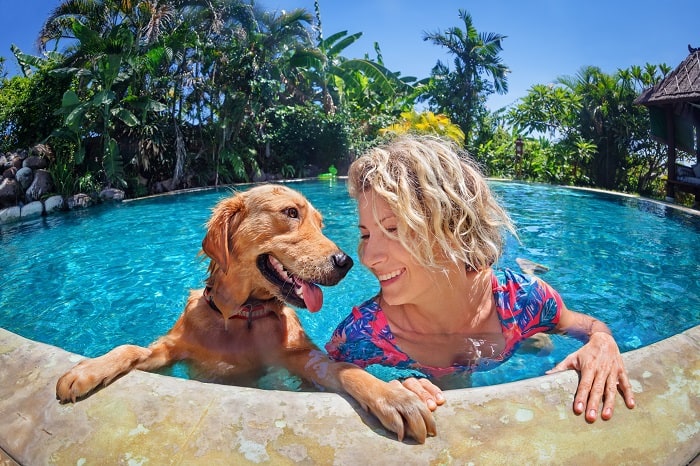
(260,176)
(10,172)
(53,203)
(41,185)
(42,150)
(10,192)
(11,214)
(112,194)
(35,162)
(33,209)
(24,177)
(16,159)
(164,186)
(79,201)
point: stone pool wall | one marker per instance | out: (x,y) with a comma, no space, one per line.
(146,418)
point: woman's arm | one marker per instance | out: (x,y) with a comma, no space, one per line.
(599,362)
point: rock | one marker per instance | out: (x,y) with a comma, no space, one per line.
(259,177)
(112,194)
(35,162)
(163,186)
(21,153)
(10,172)
(25,176)
(11,214)
(33,209)
(79,201)
(42,150)
(16,159)
(4,162)
(311,171)
(41,185)
(10,192)
(53,203)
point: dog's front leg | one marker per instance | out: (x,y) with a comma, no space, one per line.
(92,373)
(397,408)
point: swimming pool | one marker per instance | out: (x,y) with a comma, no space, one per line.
(91,280)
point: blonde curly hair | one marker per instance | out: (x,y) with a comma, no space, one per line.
(444,207)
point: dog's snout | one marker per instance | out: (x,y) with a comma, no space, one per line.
(342,261)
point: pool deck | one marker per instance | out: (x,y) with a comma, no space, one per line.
(146,418)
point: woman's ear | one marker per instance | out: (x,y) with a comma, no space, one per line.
(221,228)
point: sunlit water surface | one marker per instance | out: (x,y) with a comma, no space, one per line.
(90,280)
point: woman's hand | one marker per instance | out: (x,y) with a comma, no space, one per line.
(602,374)
(426,391)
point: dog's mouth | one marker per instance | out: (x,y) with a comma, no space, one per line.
(293,289)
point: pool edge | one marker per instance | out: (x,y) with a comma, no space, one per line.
(157,419)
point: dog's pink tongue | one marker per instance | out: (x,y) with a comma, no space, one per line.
(313,296)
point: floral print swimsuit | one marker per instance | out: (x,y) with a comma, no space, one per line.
(526,306)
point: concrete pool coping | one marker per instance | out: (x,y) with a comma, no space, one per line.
(146,418)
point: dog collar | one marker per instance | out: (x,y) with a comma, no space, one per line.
(248,311)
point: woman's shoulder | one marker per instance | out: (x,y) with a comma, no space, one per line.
(506,279)
(507,274)
(527,300)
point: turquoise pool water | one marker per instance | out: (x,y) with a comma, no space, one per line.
(90,280)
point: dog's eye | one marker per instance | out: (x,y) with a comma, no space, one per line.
(291,212)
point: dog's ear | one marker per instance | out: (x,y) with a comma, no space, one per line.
(224,221)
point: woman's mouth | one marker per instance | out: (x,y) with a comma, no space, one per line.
(385,277)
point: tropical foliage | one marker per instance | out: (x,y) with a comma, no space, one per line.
(460,92)
(152,95)
(426,123)
(600,138)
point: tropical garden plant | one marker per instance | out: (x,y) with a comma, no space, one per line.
(164,94)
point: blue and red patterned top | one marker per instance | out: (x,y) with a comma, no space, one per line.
(525,307)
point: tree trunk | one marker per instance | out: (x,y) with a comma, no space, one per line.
(180,154)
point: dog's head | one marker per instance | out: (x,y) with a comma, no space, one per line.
(267,243)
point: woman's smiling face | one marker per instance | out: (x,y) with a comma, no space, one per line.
(403,280)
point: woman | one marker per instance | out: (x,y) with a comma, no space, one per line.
(430,232)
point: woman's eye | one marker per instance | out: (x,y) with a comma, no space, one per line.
(291,212)
(364,237)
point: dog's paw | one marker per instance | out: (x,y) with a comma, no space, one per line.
(403,412)
(76,383)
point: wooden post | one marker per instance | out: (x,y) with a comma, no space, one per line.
(671,158)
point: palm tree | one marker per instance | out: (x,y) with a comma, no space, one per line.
(147,19)
(114,49)
(361,82)
(460,92)
(604,119)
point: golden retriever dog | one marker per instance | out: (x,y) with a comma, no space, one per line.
(266,248)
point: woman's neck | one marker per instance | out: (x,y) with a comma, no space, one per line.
(460,303)
(454,325)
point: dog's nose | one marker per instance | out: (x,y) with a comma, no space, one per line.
(342,261)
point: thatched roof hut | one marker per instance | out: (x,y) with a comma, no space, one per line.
(674,110)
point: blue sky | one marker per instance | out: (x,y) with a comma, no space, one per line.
(545,38)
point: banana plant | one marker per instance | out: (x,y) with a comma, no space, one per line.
(107,63)
(335,74)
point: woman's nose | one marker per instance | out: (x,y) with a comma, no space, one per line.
(373,253)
